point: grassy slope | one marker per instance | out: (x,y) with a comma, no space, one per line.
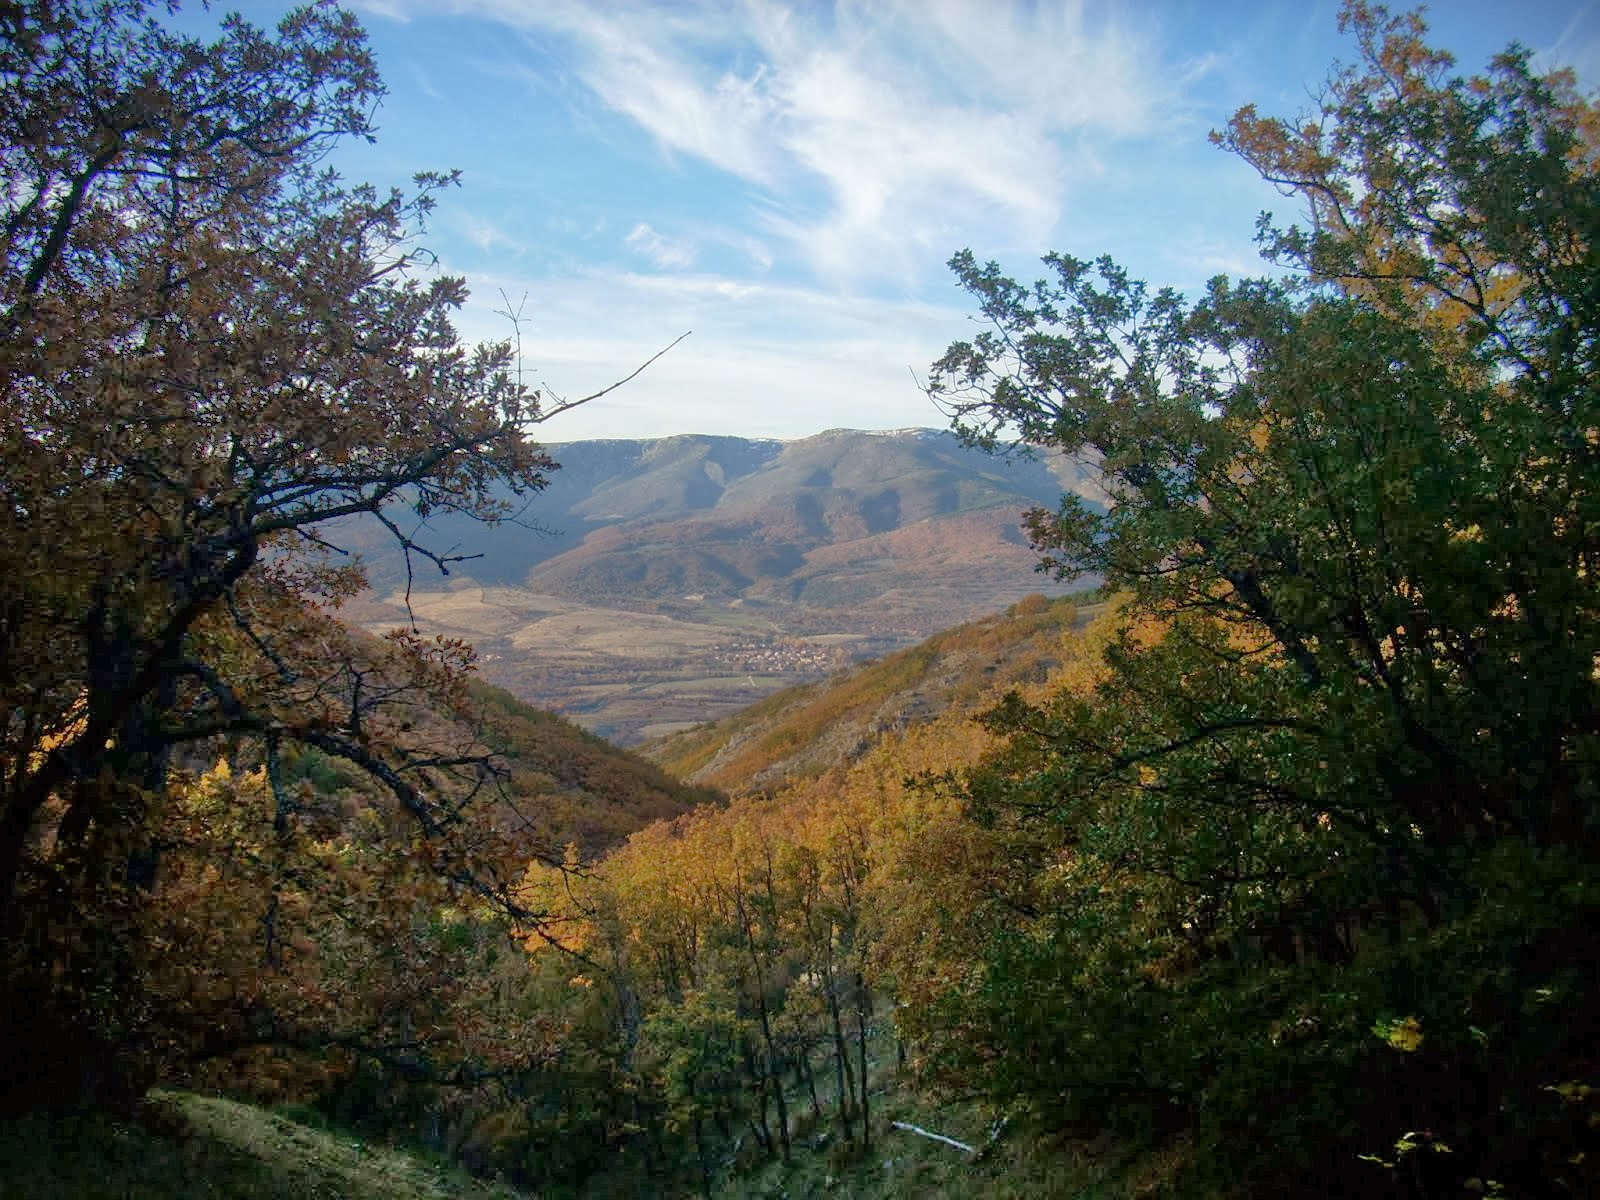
(580,789)
(801,732)
(196,1146)
(1011,1164)
(192,1146)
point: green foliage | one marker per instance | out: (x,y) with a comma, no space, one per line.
(211,351)
(1300,844)
(582,790)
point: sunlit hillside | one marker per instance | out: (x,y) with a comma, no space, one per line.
(803,732)
(658,584)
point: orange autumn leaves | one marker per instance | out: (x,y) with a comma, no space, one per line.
(876,866)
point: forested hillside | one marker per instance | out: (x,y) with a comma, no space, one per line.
(1270,870)
(578,790)
(242,844)
(1289,867)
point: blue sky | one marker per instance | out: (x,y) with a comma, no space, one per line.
(788,180)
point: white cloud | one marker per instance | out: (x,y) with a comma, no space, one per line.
(1578,46)
(663,252)
(783,177)
(762,359)
(488,237)
(645,62)
(393,10)
(1209,256)
(424,83)
(877,131)
(757,252)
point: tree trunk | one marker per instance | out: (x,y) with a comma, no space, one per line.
(774,1075)
(811,1088)
(702,1156)
(863,1015)
(763,1130)
(841,1065)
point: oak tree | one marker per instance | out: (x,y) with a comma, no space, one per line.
(1357,755)
(213,350)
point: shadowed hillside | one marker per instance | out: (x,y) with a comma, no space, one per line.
(585,791)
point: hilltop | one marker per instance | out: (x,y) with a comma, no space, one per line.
(184,1145)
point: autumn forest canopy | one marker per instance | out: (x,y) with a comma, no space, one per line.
(1274,863)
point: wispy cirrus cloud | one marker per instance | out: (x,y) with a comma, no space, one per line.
(763,358)
(488,237)
(664,252)
(871,132)
(881,130)
(1578,46)
(784,177)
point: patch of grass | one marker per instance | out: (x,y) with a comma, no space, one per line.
(905,1166)
(1013,1162)
(183,1146)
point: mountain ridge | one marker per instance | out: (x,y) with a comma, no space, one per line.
(758,562)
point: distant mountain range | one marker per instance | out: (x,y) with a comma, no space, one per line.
(762,562)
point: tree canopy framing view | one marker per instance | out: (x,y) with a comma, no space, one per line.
(1270,868)
(212,351)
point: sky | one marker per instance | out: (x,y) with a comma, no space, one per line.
(788,180)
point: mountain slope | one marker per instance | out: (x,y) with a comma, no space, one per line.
(657,584)
(802,732)
(765,505)
(773,520)
(583,790)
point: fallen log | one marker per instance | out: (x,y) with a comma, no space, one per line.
(938,1137)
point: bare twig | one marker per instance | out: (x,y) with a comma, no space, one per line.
(569,405)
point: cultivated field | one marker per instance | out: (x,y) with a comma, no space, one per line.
(624,674)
